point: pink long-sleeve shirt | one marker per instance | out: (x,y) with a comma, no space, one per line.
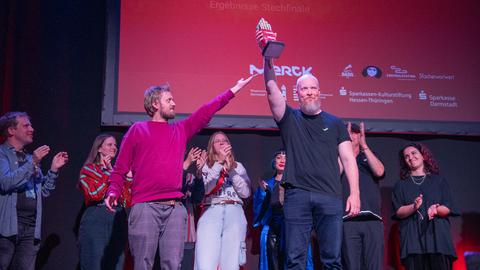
(154,151)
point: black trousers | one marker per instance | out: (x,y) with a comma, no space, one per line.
(428,262)
(188,256)
(362,246)
(20,251)
(275,248)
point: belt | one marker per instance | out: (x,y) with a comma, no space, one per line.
(166,201)
(226,202)
(96,203)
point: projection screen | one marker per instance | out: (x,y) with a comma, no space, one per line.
(401,67)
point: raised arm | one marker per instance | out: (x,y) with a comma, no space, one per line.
(241,83)
(276,101)
(376,166)
(200,118)
(374,163)
(275,98)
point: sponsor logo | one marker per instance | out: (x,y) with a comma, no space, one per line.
(422,95)
(258,93)
(401,74)
(375,97)
(444,101)
(425,76)
(347,72)
(290,71)
(372,72)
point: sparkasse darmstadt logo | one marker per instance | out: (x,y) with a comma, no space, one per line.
(422,95)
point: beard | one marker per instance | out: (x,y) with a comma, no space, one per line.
(167,115)
(310,108)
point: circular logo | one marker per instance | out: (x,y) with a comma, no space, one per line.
(372,71)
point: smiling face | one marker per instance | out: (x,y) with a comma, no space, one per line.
(108,148)
(280,159)
(414,159)
(22,133)
(309,94)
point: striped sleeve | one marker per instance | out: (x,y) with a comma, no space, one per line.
(93,183)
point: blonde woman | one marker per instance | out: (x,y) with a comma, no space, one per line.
(222,227)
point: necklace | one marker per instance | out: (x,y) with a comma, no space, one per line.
(418,180)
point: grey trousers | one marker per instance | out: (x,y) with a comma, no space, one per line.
(152,226)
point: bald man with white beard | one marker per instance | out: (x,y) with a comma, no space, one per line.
(314,141)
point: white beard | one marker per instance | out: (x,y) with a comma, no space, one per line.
(310,108)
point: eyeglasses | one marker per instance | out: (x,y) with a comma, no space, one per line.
(221,141)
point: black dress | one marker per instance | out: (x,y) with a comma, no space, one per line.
(418,234)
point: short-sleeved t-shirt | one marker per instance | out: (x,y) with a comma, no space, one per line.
(311,144)
(418,234)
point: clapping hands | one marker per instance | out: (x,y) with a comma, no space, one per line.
(58,161)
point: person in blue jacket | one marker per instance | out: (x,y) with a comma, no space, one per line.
(268,213)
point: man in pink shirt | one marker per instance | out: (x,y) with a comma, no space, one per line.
(154,151)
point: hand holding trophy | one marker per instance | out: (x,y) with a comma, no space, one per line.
(267,40)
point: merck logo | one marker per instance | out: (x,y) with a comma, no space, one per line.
(291,71)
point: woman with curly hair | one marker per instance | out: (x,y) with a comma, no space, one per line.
(422,202)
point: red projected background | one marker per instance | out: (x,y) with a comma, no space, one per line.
(398,61)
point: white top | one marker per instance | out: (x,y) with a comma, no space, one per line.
(236,185)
